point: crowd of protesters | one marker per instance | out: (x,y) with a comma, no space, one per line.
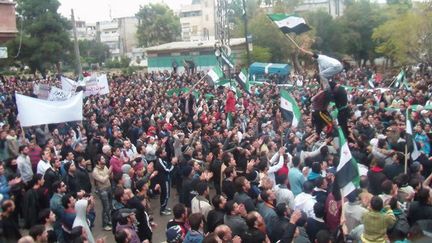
(259,180)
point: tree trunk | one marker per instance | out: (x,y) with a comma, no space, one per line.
(295,61)
(58,67)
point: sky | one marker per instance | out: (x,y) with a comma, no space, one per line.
(98,10)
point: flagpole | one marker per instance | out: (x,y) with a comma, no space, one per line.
(199,81)
(406,144)
(292,40)
(406,157)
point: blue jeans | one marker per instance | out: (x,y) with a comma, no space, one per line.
(327,73)
(105,196)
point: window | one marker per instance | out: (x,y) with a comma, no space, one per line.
(206,17)
(190,14)
(194,29)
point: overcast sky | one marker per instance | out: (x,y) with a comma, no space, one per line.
(98,10)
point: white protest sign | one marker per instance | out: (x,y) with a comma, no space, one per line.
(96,85)
(43,91)
(57,94)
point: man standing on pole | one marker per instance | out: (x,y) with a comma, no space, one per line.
(328,67)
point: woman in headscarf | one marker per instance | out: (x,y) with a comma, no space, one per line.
(81,218)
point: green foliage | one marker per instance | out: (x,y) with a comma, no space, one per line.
(118,63)
(327,32)
(258,54)
(267,35)
(45,37)
(157,25)
(407,38)
(92,51)
(357,24)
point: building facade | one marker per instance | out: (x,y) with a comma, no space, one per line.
(333,7)
(119,35)
(85,31)
(8,28)
(200,53)
(198,20)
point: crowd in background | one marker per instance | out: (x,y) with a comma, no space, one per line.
(260,179)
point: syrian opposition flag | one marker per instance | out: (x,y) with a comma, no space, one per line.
(409,138)
(289,108)
(400,78)
(243,79)
(289,23)
(371,83)
(215,74)
(347,173)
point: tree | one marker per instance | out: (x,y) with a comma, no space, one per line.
(327,32)
(157,25)
(258,54)
(93,51)
(45,39)
(407,38)
(357,24)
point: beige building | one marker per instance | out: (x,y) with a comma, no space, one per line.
(119,35)
(85,31)
(198,20)
(333,7)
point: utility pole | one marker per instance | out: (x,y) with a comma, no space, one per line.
(76,47)
(245,19)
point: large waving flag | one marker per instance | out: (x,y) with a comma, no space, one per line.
(33,112)
(215,74)
(289,23)
(243,79)
(409,138)
(289,108)
(347,172)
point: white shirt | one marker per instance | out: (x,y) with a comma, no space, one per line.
(284,195)
(305,202)
(325,62)
(42,167)
(201,205)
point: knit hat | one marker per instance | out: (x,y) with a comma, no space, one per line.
(174,234)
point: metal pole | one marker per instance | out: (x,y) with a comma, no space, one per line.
(245,19)
(76,47)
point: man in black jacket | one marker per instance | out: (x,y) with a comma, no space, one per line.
(82,176)
(215,217)
(52,174)
(163,178)
(145,226)
(241,197)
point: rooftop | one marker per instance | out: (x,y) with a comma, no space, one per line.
(182,45)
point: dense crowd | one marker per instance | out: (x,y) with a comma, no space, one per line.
(260,179)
